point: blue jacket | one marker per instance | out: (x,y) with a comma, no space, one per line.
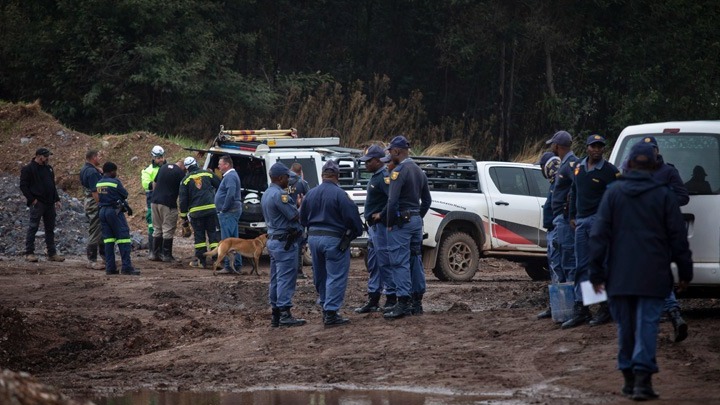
(89,175)
(563,182)
(279,211)
(666,173)
(228,196)
(640,229)
(327,207)
(408,191)
(110,190)
(377,194)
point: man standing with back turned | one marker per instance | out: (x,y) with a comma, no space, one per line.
(640,228)
(228,203)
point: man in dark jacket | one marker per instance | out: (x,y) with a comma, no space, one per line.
(163,203)
(197,205)
(37,183)
(640,229)
(549,165)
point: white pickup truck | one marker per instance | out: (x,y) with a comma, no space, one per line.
(478,208)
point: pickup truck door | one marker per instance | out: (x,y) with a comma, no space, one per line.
(516,213)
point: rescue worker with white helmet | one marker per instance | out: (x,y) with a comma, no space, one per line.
(147,179)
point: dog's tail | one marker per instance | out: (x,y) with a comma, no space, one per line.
(212,252)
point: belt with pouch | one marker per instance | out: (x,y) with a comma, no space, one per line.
(278,236)
(322,232)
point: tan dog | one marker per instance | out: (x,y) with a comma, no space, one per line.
(250,248)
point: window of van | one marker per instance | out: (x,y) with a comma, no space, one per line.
(695,156)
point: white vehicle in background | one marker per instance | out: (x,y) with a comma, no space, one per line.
(693,147)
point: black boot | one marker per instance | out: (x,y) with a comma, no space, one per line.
(286,318)
(390,301)
(371,306)
(602,316)
(91,252)
(275,320)
(155,249)
(581,314)
(643,389)
(545,314)
(332,318)
(167,246)
(401,309)
(629,385)
(679,325)
(417,308)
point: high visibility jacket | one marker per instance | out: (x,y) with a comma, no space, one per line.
(197,193)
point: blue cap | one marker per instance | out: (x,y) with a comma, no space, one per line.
(399,142)
(279,169)
(544,158)
(386,159)
(293,178)
(331,166)
(595,139)
(562,138)
(642,152)
(649,139)
(374,151)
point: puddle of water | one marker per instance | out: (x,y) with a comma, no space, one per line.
(282,397)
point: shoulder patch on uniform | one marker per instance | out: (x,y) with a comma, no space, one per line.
(618,174)
(284,198)
(577,170)
(394,175)
(387,180)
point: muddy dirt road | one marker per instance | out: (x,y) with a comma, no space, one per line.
(178,328)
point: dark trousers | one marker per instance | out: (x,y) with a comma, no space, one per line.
(115,230)
(207,235)
(48,215)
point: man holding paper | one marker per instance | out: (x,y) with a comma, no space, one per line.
(640,229)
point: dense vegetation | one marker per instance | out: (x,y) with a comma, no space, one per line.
(496,74)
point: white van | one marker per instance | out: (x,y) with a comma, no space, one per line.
(693,147)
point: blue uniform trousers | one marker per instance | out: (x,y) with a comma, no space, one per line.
(283,273)
(637,325)
(582,253)
(377,261)
(115,230)
(404,252)
(229,229)
(553,254)
(330,270)
(566,246)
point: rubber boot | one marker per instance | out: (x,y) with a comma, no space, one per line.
(275,319)
(390,302)
(417,308)
(629,384)
(127,267)
(679,325)
(152,253)
(155,249)
(643,389)
(332,318)
(545,314)
(372,305)
(286,318)
(602,316)
(581,314)
(167,247)
(110,266)
(91,252)
(401,309)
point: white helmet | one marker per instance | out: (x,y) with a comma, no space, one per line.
(189,161)
(157,151)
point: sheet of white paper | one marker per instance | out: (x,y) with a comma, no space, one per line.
(589,295)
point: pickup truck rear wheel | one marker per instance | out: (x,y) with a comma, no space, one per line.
(458,258)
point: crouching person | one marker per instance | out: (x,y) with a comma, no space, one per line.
(640,227)
(113,205)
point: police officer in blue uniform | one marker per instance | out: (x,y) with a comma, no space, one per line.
(333,221)
(549,164)
(408,202)
(115,230)
(297,188)
(377,257)
(281,216)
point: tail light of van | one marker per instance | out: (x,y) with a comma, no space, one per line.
(671,130)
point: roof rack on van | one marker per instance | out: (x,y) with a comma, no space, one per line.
(249,139)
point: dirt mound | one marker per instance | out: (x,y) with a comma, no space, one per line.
(23,389)
(25,127)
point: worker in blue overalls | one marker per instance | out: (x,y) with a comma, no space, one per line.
(113,205)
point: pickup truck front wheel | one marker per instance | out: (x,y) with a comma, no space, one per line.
(458,258)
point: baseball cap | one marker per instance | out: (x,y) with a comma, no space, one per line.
(374,151)
(189,161)
(331,166)
(544,158)
(279,169)
(562,138)
(595,139)
(399,142)
(43,151)
(642,152)
(651,140)
(698,171)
